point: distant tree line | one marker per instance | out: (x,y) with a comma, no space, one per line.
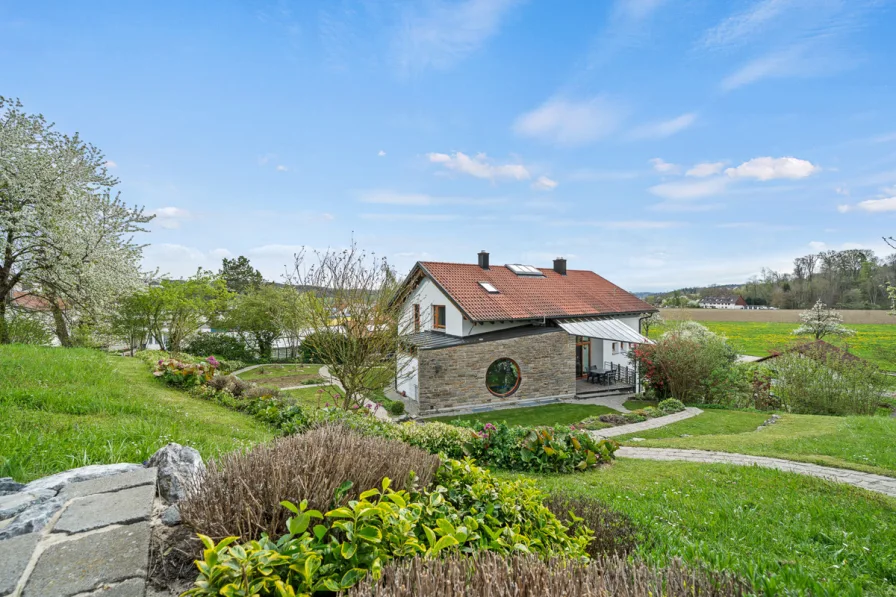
(848,279)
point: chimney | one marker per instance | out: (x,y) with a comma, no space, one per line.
(483,259)
(560,266)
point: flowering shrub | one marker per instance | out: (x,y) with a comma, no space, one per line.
(185,375)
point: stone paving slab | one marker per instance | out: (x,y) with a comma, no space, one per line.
(104,509)
(14,557)
(85,564)
(134,587)
(869,481)
(687,413)
(12,504)
(140,476)
(59,480)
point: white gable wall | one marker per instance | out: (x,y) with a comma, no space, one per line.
(426,295)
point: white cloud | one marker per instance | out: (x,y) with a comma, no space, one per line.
(568,122)
(619,225)
(663,167)
(410,217)
(735,28)
(768,168)
(817,245)
(282,168)
(381,153)
(220,253)
(705,169)
(264,159)
(544,184)
(170,217)
(871,205)
(683,190)
(444,33)
(386,197)
(110,164)
(479,166)
(666,128)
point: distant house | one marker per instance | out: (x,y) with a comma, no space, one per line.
(723,302)
(513,333)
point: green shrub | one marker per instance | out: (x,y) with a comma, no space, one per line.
(394,407)
(239,494)
(312,346)
(615,534)
(491,575)
(185,375)
(27,328)
(222,346)
(671,405)
(469,510)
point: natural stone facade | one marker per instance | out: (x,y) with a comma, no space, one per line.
(455,376)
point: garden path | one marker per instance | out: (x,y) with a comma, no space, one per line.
(869,481)
(687,413)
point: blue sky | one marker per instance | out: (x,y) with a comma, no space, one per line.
(658,142)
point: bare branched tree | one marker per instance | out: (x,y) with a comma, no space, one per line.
(354,326)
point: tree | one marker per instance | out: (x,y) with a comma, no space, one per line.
(654,319)
(132,319)
(355,326)
(239,275)
(294,317)
(62,233)
(819,321)
(256,316)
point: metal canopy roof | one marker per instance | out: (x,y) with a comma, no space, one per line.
(605,329)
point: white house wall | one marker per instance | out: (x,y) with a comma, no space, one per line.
(407,382)
(426,295)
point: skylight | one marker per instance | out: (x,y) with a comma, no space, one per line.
(524,270)
(489,288)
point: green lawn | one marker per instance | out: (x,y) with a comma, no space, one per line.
(314,397)
(860,443)
(550,414)
(636,404)
(759,523)
(282,375)
(873,342)
(63,408)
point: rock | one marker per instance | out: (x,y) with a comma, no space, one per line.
(32,519)
(14,557)
(171,516)
(12,504)
(177,465)
(636,439)
(91,562)
(104,509)
(59,480)
(7,486)
(139,476)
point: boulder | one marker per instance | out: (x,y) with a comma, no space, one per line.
(12,504)
(177,465)
(32,519)
(84,473)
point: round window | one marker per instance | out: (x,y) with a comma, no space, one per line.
(503,377)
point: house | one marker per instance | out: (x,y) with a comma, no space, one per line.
(481,334)
(723,302)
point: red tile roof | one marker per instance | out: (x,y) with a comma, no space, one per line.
(28,301)
(578,293)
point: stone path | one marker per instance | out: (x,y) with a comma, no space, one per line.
(687,413)
(871,482)
(88,535)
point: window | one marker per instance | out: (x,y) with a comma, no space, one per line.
(525,270)
(503,377)
(614,348)
(489,288)
(416,318)
(438,317)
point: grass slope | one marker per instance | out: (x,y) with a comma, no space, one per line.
(549,414)
(63,408)
(859,443)
(873,342)
(756,522)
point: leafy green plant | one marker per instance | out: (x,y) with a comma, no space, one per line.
(671,405)
(469,510)
(185,375)
(223,346)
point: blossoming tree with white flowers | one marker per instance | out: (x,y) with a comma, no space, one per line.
(820,321)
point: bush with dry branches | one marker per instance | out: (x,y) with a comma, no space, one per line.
(491,575)
(615,534)
(240,493)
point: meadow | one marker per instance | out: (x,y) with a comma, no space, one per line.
(64,408)
(873,342)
